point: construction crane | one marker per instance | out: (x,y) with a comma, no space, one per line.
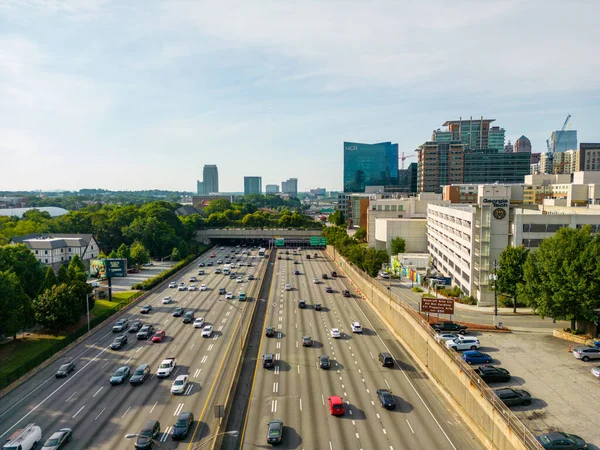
(402,158)
(552,149)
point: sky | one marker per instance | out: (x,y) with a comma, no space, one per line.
(133,95)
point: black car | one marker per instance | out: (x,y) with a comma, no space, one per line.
(513,397)
(301,304)
(386,398)
(135,326)
(491,374)
(324,362)
(188,317)
(296,262)
(209,264)
(318,307)
(119,342)
(346,293)
(328,289)
(268,360)
(140,374)
(307,341)
(146,309)
(275,432)
(178,312)
(560,440)
(296,272)
(221,291)
(324,276)
(120,375)
(65,369)
(334,274)
(147,435)
(270,332)
(182,426)
(279,257)
(145,332)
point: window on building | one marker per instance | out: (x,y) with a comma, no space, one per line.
(62,258)
(36,252)
(70,249)
(62,250)
(45,253)
(46,260)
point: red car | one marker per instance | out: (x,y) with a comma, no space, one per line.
(159,336)
(213,255)
(336,406)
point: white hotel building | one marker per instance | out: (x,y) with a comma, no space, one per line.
(464,240)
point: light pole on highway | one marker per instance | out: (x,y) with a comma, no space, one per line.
(494,278)
(233,433)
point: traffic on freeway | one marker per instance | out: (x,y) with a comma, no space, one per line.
(329,376)
(132,380)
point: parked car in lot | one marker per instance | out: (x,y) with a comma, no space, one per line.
(119,342)
(120,326)
(386,398)
(586,353)
(476,357)
(445,336)
(513,397)
(560,440)
(596,371)
(493,374)
(120,375)
(457,344)
(449,326)
(65,369)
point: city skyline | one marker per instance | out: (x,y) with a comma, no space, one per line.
(101,94)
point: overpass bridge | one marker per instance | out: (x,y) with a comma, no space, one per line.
(292,237)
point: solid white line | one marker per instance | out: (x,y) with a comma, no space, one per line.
(388,384)
(70,396)
(80,409)
(323,399)
(126,412)
(103,409)
(153,407)
(127,362)
(298,369)
(300,404)
(97,391)
(411,428)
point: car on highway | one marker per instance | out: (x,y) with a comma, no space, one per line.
(140,374)
(296,262)
(384,275)
(209,264)
(167,300)
(251,277)
(172,284)
(275,432)
(239,280)
(268,360)
(270,331)
(120,326)
(336,405)
(119,342)
(207,331)
(386,359)
(445,336)
(199,322)
(188,317)
(178,312)
(192,279)
(324,276)
(316,281)
(356,327)
(201,264)
(296,272)
(182,287)
(145,332)
(328,289)
(288,287)
(135,326)
(65,369)
(386,398)
(229,295)
(335,333)
(586,353)
(217,270)
(201,272)
(203,287)
(242,296)
(302,304)
(120,375)
(346,293)
(469,343)
(278,257)
(147,435)
(222,291)
(159,336)
(559,440)
(476,357)
(192,287)
(493,374)
(232,276)
(146,309)
(307,341)
(179,385)
(183,426)
(324,362)
(334,274)
(212,255)
(513,397)
(58,439)
(318,307)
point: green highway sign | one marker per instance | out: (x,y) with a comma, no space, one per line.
(314,240)
(279,242)
(323,241)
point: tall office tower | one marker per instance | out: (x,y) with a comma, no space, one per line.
(199,187)
(522,145)
(589,157)
(473,133)
(370,165)
(508,148)
(440,164)
(211,179)
(252,185)
(272,189)
(561,141)
(290,187)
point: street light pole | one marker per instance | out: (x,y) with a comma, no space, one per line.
(494,278)
(87,307)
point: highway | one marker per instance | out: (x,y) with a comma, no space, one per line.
(100,414)
(296,390)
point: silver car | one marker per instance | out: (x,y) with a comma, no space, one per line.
(586,353)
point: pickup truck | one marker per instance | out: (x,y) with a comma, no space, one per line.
(449,326)
(165,368)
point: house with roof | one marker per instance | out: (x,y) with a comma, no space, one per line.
(55,250)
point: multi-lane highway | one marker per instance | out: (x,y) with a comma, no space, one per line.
(101,415)
(296,390)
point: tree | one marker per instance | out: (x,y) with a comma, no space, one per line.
(49,280)
(217,205)
(113,254)
(25,265)
(139,253)
(58,307)
(14,304)
(373,260)
(76,269)
(63,274)
(398,245)
(558,279)
(337,218)
(175,255)
(124,252)
(510,271)
(360,234)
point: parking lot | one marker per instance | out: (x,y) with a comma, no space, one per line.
(125,284)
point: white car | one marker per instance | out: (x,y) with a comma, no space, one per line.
(229,295)
(182,287)
(221,248)
(207,331)
(443,337)
(356,327)
(316,281)
(239,280)
(167,300)
(219,261)
(467,343)
(199,322)
(192,279)
(240,264)
(335,333)
(192,287)
(179,384)
(203,287)
(288,287)
(172,284)
(384,275)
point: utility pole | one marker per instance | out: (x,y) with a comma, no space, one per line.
(494,277)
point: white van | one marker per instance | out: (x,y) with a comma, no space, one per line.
(24,439)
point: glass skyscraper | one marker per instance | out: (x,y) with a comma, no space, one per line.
(210,179)
(561,141)
(252,185)
(370,165)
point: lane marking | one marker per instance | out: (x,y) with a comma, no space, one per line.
(411,428)
(388,384)
(80,409)
(126,412)
(70,396)
(103,409)
(97,391)
(153,407)
(300,404)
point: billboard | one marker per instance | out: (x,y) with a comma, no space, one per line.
(437,305)
(104,268)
